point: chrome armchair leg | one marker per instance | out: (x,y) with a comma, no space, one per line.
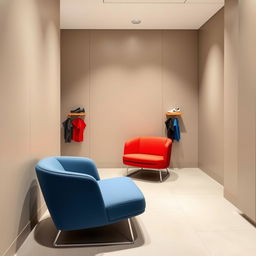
(55,243)
(130,241)
(159,170)
(131,231)
(161,178)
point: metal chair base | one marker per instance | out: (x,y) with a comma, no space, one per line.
(131,241)
(160,172)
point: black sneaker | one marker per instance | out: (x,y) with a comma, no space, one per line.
(77,110)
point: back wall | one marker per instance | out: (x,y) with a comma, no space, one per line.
(127,80)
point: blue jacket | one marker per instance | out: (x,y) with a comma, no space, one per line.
(173,129)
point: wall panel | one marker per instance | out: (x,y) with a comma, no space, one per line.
(180,88)
(30,104)
(211,97)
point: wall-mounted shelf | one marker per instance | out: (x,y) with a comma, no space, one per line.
(76,114)
(174,114)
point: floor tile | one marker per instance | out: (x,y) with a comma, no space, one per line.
(212,213)
(229,243)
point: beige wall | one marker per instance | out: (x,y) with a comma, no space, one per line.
(29,78)
(240,126)
(211,90)
(231,100)
(247,109)
(127,80)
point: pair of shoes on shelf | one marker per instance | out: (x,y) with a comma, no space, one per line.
(78,110)
(174,110)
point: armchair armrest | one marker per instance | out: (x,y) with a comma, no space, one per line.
(74,200)
(131,146)
(79,165)
(168,149)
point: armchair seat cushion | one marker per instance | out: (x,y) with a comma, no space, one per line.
(122,198)
(143,158)
(148,152)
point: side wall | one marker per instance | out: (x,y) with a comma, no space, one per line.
(211,97)
(30,100)
(247,109)
(231,100)
(127,80)
(240,105)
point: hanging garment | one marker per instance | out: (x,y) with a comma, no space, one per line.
(78,129)
(176,126)
(170,128)
(67,125)
(173,128)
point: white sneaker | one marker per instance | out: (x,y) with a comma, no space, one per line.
(174,110)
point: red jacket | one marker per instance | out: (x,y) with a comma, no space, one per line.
(78,129)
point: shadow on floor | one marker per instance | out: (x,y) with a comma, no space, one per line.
(45,233)
(152,176)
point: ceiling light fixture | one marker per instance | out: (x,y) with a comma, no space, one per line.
(136,22)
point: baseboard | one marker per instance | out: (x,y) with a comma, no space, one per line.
(18,241)
(248,219)
(181,165)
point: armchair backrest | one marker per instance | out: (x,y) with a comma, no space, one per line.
(73,198)
(148,145)
(152,145)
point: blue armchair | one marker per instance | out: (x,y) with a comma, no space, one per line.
(78,199)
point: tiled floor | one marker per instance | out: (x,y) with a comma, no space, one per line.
(186,215)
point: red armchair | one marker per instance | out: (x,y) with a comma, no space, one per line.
(148,152)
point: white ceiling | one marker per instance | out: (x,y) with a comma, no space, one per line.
(154,14)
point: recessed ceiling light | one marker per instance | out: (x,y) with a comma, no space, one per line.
(136,21)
